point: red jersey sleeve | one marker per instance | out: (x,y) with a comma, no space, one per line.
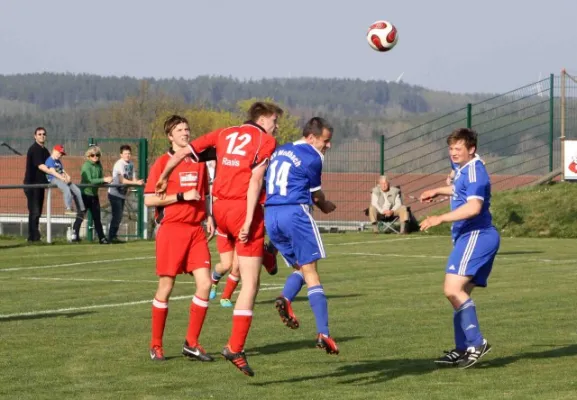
(266,149)
(153,175)
(203,142)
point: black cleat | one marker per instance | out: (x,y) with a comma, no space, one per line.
(195,353)
(452,357)
(238,359)
(474,354)
(327,343)
(273,268)
(285,311)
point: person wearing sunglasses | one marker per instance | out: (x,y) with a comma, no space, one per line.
(93,173)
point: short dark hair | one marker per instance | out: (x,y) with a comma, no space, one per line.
(172,121)
(261,108)
(467,135)
(40,128)
(316,126)
(125,147)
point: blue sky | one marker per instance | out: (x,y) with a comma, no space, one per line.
(457,46)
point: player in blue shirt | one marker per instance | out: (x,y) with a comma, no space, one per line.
(475,240)
(293,185)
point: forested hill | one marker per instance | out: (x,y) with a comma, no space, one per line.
(345,97)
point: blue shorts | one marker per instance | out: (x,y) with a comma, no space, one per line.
(294,232)
(473,255)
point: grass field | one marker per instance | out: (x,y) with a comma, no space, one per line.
(75,324)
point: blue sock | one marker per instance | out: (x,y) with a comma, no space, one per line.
(459,334)
(292,287)
(216,276)
(470,323)
(318,302)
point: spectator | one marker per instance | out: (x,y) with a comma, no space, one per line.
(35,174)
(122,174)
(386,203)
(93,174)
(58,176)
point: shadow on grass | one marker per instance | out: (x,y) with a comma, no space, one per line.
(301,299)
(42,316)
(379,371)
(512,253)
(282,347)
(567,351)
(12,246)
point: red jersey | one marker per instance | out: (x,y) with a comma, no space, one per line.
(188,175)
(239,149)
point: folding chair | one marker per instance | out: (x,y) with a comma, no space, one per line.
(388,224)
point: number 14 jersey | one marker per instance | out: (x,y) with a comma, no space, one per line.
(294,172)
(239,149)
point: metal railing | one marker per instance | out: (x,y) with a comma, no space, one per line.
(142,221)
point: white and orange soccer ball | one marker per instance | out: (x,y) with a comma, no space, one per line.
(382,36)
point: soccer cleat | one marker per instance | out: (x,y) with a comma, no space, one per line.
(238,359)
(157,354)
(226,303)
(474,354)
(212,293)
(451,357)
(271,269)
(104,241)
(195,352)
(327,343)
(285,311)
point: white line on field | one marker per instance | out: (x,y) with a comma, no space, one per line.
(152,257)
(97,306)
(540,260)
(38,278)
(74,264)
(380,241)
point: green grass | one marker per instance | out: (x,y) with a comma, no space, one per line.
(387,313)
(541,211)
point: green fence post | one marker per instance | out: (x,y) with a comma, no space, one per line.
(551,119)
(469,115)
(382,155)
(89,221)
(143,174)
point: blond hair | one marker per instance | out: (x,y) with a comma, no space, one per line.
(92,150)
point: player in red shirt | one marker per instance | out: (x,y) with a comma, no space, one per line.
(181,243)
(242,154)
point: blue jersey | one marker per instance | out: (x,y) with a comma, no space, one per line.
(293,174)
(56,164)
(472,182)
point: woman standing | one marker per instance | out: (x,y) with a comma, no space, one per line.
(92,173)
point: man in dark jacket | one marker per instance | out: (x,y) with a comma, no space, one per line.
(36,174)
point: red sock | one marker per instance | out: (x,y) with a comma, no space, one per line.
(159,314)
(231,284)
(241,320)
(198,309)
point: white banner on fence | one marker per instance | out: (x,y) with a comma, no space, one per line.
(570,160)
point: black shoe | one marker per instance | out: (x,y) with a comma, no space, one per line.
(104,241)
(269,248)
(474,354)
(238,359)
(327,343)
(117,241)
(451,357)
(195,353)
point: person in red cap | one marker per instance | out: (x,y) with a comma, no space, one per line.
(58,176)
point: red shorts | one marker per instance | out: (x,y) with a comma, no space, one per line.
(181,248)
(229,216)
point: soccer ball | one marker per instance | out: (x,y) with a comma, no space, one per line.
(382,36)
